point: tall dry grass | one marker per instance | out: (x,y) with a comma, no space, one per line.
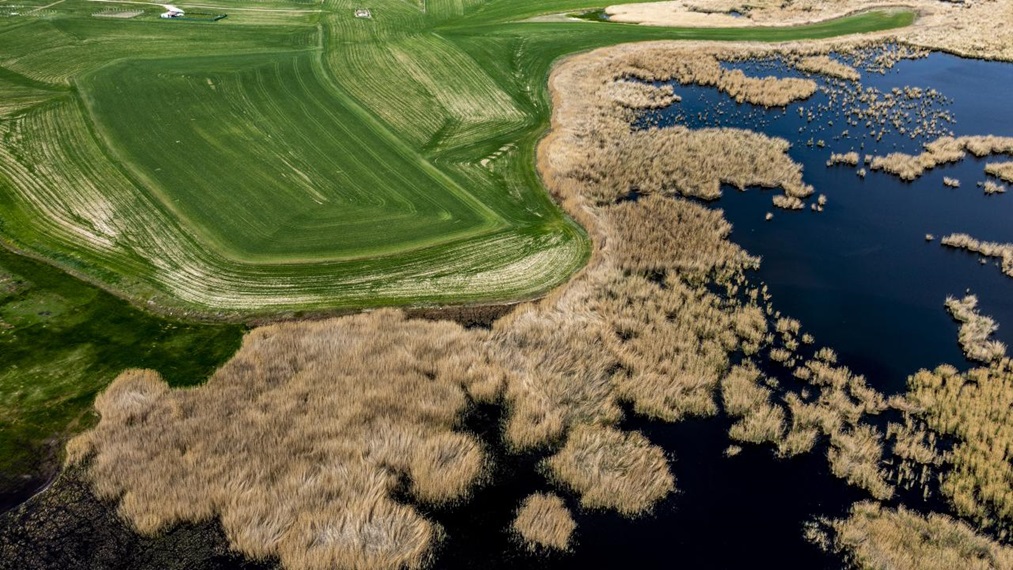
(543,521)
(606,158)
(1001,170)
(974,409)
(943,150)
(1002,251)
(743,397)
(875,537)
(612,469)
(849,158)
(825,65)
(855,455)
(975,330)
(298,443)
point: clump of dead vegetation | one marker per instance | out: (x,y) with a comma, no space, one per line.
(543,521)
(694,67)
(975,330)
(874,537)
(641,95)
(1002,251)
(975,409)
(1001,170)
(299,441)
(609,158)
(612,469)
(943,150)
(991,187)
(745,398)
(825,65)
(849,158)
(856,455)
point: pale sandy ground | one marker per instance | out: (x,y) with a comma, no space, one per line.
(975,28)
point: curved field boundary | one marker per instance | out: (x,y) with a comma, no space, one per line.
(270,166)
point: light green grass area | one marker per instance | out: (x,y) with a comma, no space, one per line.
(295,157)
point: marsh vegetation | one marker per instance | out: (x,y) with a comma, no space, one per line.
(331,443)
(874,537)
(543,521)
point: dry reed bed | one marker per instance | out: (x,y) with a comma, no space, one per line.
(1002,251)
(975,410)
(825,65)
(943,150)
(875,537)
(975,330)
(991,187)
(849,158)
(609,158)
(1001,170)
(612,469)
(543,521)
(298,442)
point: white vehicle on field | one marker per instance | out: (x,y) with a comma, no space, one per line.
(172,12)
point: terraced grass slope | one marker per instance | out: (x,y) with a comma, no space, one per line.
(294,156)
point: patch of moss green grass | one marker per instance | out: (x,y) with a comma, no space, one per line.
(61,342)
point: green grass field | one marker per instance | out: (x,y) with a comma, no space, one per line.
(61,341)
(295,157)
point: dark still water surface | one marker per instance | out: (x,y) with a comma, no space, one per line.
(861,278)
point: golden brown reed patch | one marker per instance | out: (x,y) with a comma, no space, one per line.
(612,469)
(975,330)
(874,537)
(825,65)
(600,152)
(744,398)
(543,521)
(975,409)
(1001,170)
(943,150)
(297,443)
(855,456)
(1002,251)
